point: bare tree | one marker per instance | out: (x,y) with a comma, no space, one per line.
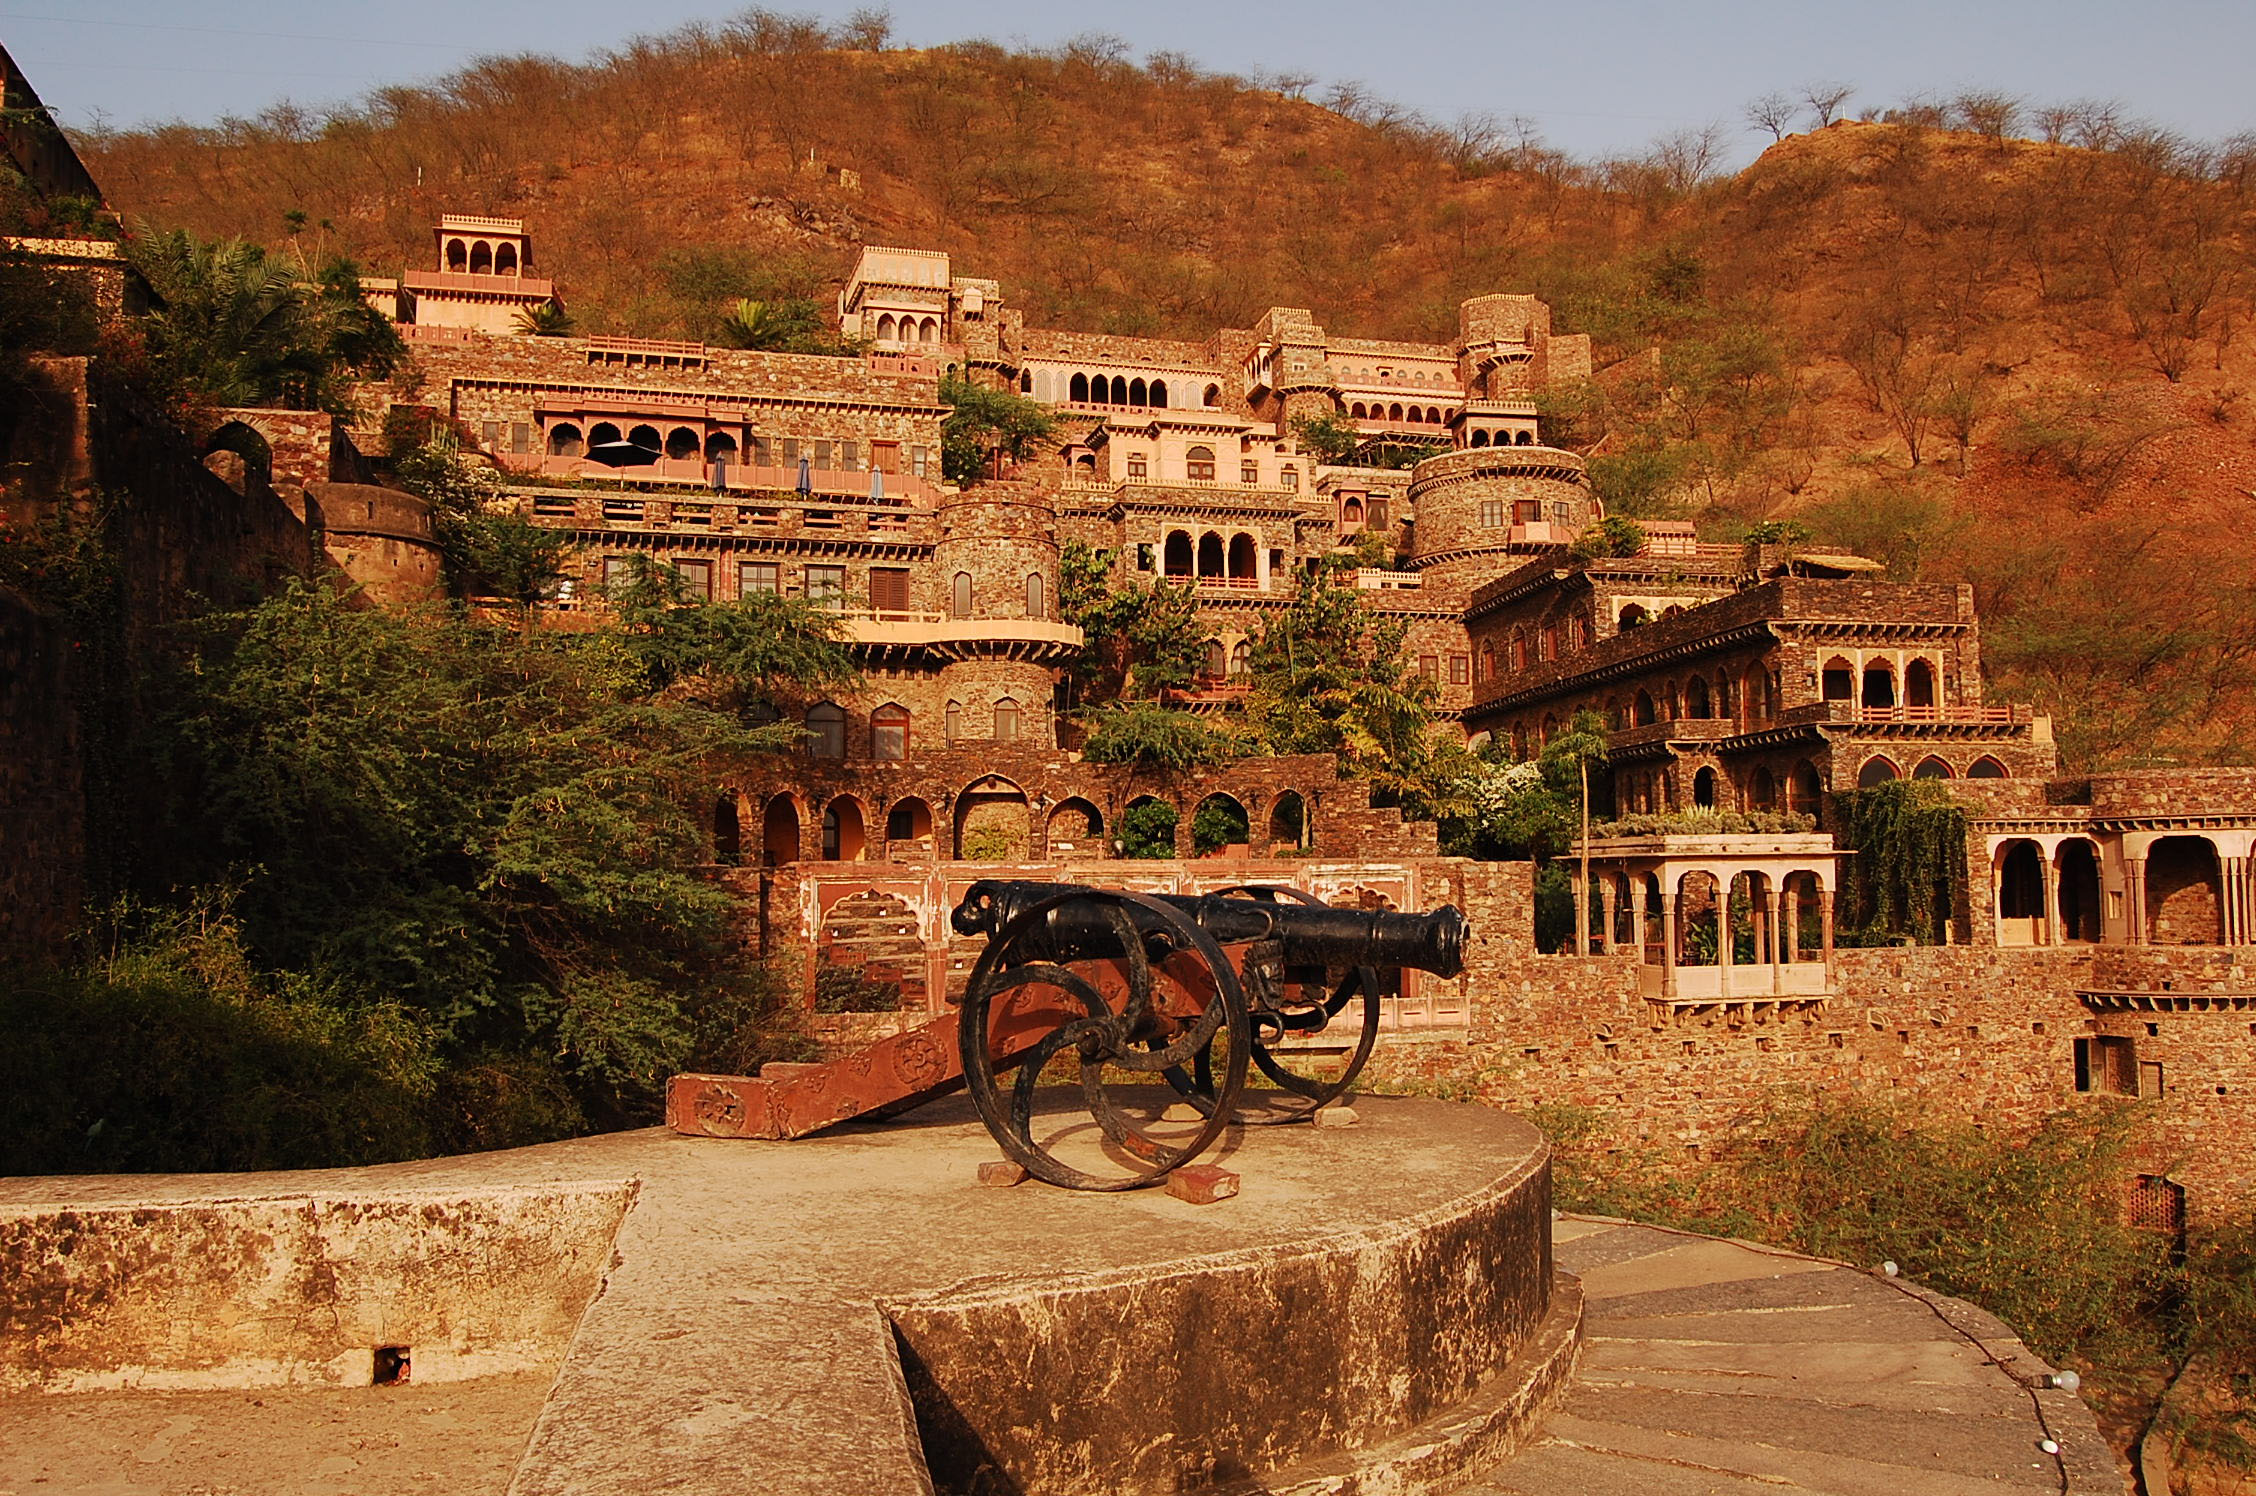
(869,29)
(1987,112)
(1825,99)
(1774,112)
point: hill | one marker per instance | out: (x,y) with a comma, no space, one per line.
(2013,362)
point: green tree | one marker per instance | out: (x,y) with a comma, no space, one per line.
(235,325)
(790,325)
(1328,438)
(486,547)
(1153,737)
(987,427)
(1147,830)
(548,320)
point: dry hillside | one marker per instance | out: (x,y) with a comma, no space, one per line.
(1983,358)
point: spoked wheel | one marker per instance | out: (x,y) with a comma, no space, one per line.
(1286,1007)
(1094,996)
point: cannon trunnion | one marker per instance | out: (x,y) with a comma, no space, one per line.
(1107,1037)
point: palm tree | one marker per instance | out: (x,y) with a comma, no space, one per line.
(765,326)
(548,320)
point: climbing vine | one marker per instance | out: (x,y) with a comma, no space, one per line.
(1909,871)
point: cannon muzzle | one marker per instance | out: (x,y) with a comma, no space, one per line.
(1308,934)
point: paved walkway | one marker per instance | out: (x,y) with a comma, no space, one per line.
(1716,1368)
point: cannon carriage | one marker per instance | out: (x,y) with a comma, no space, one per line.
(1138,1015)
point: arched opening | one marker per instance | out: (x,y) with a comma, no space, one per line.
(1213,396)
(2076,876)
(992,822)
(251,469)
(908,828)
(603,434)
(565,440)
(1931,767)
(1147,829)
(1394,413)
(1696,697)
(1698,929)
(682,443)
(888,330)
(457,256)
(1198,464)
(1919,684)
(1288,823)
(1879,685)
(1986,767)
(1075,829)
(1210,562)
(1804,790)
(1006,720)
(889,733)
(1217,661)
(1159,394)
(645,437)
(481,258)
(932,329)
(954,722)
(1241,658)
(869,956)
(1351,512)
(1136,392)
(1480,439)
(1035,598)
(1078,390)
(779,831)
(1524,439)
(1877,770)
(1485,666)
(2182,888)
(1241,556)
(728,836)
(1519,653)
(1633,616)
(1119,390)
(505,260)
(720,447)
(959,595)
(1359,411)
(1641,710)
(1764,788)
(1218,827)
(1704,789)
(2020,893)
(826,730)
(842,836)
(1838,681)
(1178,557)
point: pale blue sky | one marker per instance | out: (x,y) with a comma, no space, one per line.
(1600,76)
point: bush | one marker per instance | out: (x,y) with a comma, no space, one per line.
(1216,824)
(1148,830)
(991,844)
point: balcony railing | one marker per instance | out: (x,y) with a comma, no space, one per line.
(1954,716)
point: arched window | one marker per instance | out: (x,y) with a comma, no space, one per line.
(1519,649)
(602,434)
(1986,767)
(885,328)
(1198,464)
(1217,663)
(1838,680)
(1210,555)
(1879,685)
(1159,394)
(1524,439)
(1119,390)
(728,840)
(1241,657)
(1643,708)
(959,596)
(1213,396)
(1034,594)
(720,447)
(889,733)
(1704,788)
(1242,562)
(1351,512)
(954,721)
(681,443)
(1632,617)
(1877,770)
(645,437)
(481,258)
(1357,412)
(457,256)
(1394,413)
(1480,439)
(1919,684)
(1006,721)
(564,440)
(1696,697)
(826,731)
(1931,767)
(1078,390)
(1487,665)
(1178,560)
(1136,395)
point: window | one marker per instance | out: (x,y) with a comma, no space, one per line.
(1199,464)
(1526,511)
(1249,473)
(1034,594)
(1460,669)
(2107,1065)
(1492,514)
(822,454)
(1429,666)
(1146,556)
(849,456)
(955,721)
(826,731)
(1135,464)
(757,576)
(826,585)
(1376,515)
(1291,480)
(697,579)
(959,596)
(889,733)
(790,451)
(617,571)
(493,436)
(1006,721)
(520,437)
(889,589)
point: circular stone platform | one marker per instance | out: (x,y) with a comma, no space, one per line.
(834,1314)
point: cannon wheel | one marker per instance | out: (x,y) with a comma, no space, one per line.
(1121,1021)
(1302,1094)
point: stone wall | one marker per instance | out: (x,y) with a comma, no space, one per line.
(42,790)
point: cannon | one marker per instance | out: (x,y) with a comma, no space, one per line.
(1146,1012)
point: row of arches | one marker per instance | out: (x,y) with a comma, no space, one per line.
(1415,415)
(994,822)
(892,728)
(2054,899)
(680,444)
(481,257)
(1875,685)
(1880,768)
(1481,438)
(1695,917)
(963,598)
(1238,557)
(907,329)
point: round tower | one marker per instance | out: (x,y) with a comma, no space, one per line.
(380,538)
(1483,510)
(994,577)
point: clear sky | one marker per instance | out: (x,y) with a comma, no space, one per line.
(1597,77)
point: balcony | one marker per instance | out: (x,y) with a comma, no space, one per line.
(900,634)
(838,484)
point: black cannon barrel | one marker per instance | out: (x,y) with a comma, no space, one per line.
(1309,934)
